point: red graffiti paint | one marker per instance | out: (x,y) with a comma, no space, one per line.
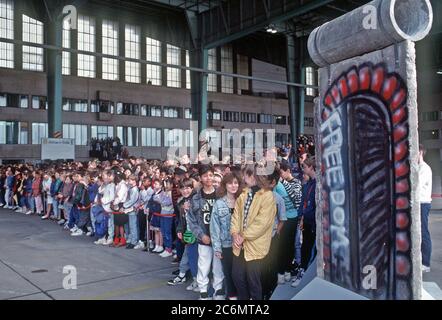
(389,88)
(402,221)
(378,80)
(399,133)
(402,243)
(364,78)
(401,170)
(402,203)
(398,99)
(400,151)
(402,186)
(343,87)
(353,81)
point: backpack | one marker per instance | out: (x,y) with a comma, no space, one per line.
(101,221)
(154,207)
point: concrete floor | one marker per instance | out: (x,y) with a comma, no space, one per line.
(33,254)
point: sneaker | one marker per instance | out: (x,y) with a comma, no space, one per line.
(159,249)
(281,279)
(100,241)
(19,210)
(90,234)
(219,295)
(61,222)
(425,269)
(176,281)
(287,276)
(192,286)
(28,213)
(46,218)
(77,233)
(130,246)
(175,261)
(139,246)
(1,205)
(75,228)
(204,296)
(108,242)
(233,298)
(166,254)
(176,272)
(66,226)
(298,278)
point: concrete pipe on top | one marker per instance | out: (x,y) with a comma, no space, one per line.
(372,27)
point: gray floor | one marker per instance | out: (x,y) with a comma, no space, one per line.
(33,254)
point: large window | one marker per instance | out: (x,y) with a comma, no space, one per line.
(102,132)
(173,74)
(248,117)
(153,53)
(231,116)
(188,113)
(172,112)
(128,136)
(309,122)
(227,66)
(75,105)
(430,116)
(128,109)
(13,100)
(211,78)
(282,120)
(66,44)
(151,111)
(310,80)
(7,31)
(12,132)
(132,48)
(188,82)
(110,47)
(39,102)
(102,106)
(150,137)
(77,132)
(39,131)
(33,57)
(214,115)
(86,42)
(173,138)
(265,118)
(243,69)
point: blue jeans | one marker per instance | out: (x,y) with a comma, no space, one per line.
(55,209)
(74,217)
(426,238)
(133,229)
(31,204)
(189,260)
(166,230)
(110,227)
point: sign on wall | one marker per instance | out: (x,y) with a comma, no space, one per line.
(57,149)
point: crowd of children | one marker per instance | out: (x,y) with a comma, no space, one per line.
(235,231)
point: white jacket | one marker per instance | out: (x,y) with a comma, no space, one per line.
(425,183)
(120,193)
(108,196)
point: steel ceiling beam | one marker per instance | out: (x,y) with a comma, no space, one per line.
(261,19)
